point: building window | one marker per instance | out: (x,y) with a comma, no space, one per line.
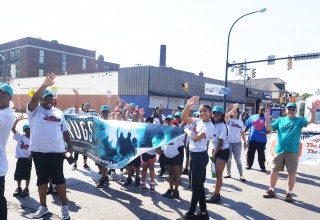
(41,56)
(84,64)
(41,72)
(64,63)
(14,56)
(106,67)
(97,67)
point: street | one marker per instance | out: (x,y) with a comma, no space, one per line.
(240,200)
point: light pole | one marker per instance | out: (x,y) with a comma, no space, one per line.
(4,67)
(227,63)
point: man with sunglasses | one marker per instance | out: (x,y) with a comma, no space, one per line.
(287,149)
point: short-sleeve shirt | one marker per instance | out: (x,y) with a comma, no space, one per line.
(258,130)
(171,150)
(201,127)
(47,127)
(22,148)
(221,133)
(235,127)
(6,123)
(289,132)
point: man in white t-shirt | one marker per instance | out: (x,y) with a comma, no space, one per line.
(6,122)
(49,130)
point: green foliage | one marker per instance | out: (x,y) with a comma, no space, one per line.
(304,96)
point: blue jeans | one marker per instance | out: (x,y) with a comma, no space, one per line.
(198,164)
(3,201)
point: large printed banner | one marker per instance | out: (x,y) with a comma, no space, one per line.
(112,143)
(309,149)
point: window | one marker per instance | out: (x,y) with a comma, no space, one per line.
(41,56)
(106,67)
(41,72)
(64,63)
(97,67)
(84,64)
(14,56)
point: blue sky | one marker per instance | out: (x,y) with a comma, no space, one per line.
(130,32)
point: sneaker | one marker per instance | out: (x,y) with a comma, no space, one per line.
(188,216)
(185,172)
(144,187)
(213,199)
(289,198)
(152,187)
(40,212)
(17,192)
(25,193)
(161,173)
(202,216)
(248,168)
(227,176)
(242,179)
(269,194)
(54,190)
(65,212)
(86,167)
(137,181)
(263,170)
(166,194)
(74,167)
(209,195)
(128,182)
(101,183)
(175,194)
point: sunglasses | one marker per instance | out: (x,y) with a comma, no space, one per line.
(291,109)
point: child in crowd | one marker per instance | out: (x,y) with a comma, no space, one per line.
(23,154)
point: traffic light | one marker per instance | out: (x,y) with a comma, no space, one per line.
(289,63)
(185,86)
(240,69)
(253,73)
(282,100)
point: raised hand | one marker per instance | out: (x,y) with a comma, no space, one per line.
(267,114)
(314,107)
(192,101)
(49,80)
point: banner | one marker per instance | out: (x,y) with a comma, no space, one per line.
(112,143)
(309,152)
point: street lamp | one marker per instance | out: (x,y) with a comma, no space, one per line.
(227,63)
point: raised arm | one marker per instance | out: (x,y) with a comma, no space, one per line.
(233,109)
(48,81)
(190,104)
(19,118)
(268,117)
(76,102)
(313,111)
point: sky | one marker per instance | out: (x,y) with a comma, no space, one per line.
(130,32)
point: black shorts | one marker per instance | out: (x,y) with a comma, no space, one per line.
(136,162)
(224,154)
(49,165)
(23,169)
(146,157)
(175,161)
(181,154)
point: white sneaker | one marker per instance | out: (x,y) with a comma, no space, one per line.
(40,212)
(65,212)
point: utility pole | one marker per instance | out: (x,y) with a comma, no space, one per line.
(4,67)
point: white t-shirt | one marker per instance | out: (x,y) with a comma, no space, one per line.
(201,127)
(46,130)
(235,126)
(171,150)
(6,123)
(22,149)
(221,133)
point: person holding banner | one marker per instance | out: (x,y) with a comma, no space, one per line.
(48,131)
(199,158)
(287,149)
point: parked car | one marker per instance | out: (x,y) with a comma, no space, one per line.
(72,111)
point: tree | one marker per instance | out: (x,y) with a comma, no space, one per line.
(304,96)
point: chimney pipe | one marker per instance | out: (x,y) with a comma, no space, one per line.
(162,55)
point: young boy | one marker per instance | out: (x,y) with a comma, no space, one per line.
(23,154)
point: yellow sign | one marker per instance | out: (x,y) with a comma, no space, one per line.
(54,90)
(31,92)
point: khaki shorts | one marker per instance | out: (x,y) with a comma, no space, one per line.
(291,161)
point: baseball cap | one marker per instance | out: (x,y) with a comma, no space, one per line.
(218,109)
(6,88)
(170,117)
(177,114)
(26,126)
(46,93)
(181,107)
(292,105)
(132,104)
(105,108)
(196,113)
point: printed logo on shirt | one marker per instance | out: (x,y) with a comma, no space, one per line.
(258,124)
(24,146)
(233,124)
(51,118)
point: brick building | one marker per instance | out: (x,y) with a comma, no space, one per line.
(31,57)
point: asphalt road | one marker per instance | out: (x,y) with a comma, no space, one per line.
(239,200)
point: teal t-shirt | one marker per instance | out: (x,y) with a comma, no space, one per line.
(289,132)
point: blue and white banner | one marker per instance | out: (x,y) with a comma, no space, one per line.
(112,143)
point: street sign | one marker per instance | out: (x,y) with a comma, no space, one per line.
(306,56)
(271,59)
(225,90)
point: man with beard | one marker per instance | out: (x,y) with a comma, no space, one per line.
(257,139)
